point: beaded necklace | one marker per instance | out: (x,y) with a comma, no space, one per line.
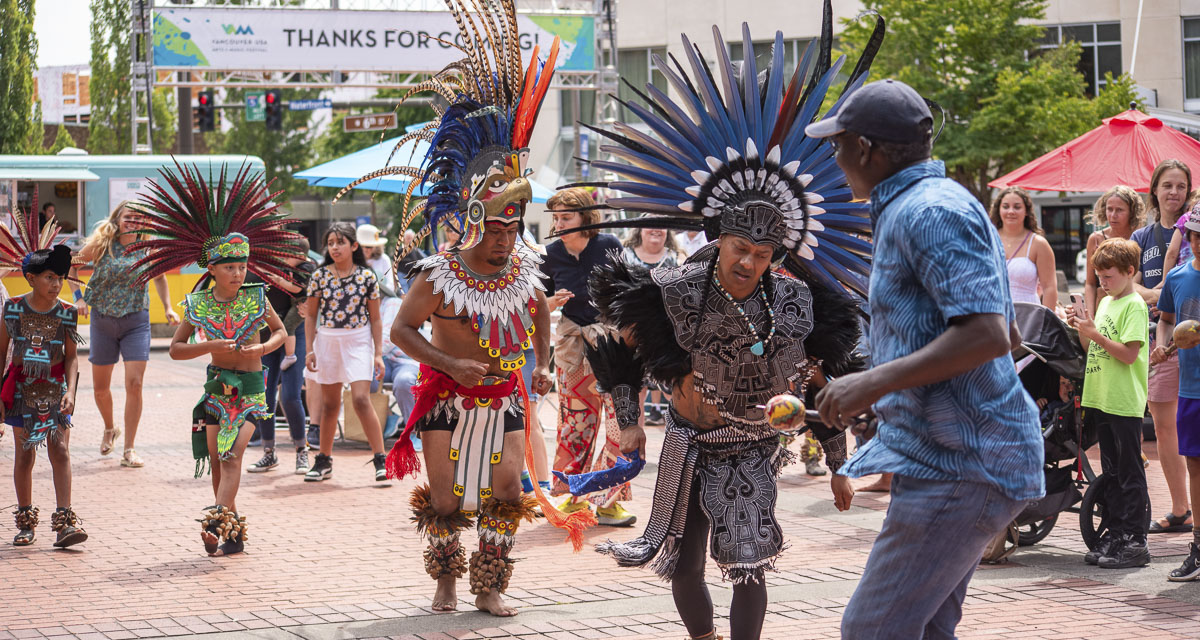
(758,348)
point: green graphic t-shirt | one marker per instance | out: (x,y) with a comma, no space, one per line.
(1109,384)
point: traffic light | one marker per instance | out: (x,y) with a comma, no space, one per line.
(274,110)
(206,110)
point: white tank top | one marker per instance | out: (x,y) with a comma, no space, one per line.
(1023,274)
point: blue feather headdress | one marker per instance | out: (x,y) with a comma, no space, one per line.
(730,156)
(476,168)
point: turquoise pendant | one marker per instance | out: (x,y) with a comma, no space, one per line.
(757,348)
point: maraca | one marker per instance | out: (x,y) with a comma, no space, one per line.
(785,412)
(1186,335)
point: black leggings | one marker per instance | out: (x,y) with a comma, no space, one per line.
(695,607)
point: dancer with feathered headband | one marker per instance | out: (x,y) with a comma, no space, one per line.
(485,298)
(724,331)
(40,383)
(229,230)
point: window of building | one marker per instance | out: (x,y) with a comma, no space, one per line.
(1191,64)
(1101,44)
(793,52)
(638,68)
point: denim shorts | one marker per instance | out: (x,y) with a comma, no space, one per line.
(126,337)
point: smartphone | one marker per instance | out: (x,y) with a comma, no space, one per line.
(1077,301)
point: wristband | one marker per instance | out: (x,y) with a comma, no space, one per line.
(78,296)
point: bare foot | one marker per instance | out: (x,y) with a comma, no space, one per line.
(210,540)
(444,597)
(882,485)
(493,604)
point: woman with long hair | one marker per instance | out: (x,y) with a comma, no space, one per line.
(1030,258)
(1170,185)
(345,345)
(1117,214)
(652,247)
(120,323)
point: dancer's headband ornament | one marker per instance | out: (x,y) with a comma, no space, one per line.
(233,247)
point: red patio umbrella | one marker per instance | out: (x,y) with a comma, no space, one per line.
(1123,150)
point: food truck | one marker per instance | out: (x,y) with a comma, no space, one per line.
(85,189)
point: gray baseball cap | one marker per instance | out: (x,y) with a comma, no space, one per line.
(886,110)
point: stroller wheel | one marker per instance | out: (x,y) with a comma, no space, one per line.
(1093,521)
(1035,532)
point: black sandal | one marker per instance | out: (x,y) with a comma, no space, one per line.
(1175,524)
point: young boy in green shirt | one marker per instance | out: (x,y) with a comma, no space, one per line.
(1114,400)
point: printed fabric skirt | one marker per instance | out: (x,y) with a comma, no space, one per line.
(343,355)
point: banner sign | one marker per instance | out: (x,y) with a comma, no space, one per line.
(309,105)
(329,40)
(369,122)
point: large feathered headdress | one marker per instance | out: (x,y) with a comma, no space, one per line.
(730,156)
(189,221)
(30,246)
(477,165)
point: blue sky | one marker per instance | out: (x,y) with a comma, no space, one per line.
(62,32)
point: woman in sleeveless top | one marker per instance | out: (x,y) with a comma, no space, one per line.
(1030,258)
(120,324)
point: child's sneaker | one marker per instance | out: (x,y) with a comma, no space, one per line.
(301,461)
(66,523)
(267,462)
(380,462)
(322,469)
(286,362)
(1190,569)
(571,505)
(1127,553)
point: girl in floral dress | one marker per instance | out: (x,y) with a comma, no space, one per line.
(346,346)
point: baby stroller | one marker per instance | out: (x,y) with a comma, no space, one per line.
(1051,363)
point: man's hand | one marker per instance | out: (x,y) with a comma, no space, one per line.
(81,306)
(633,439)
(559,298)
(221,346)
(843,491)
(847,397)
(172,317)
(542,381)
(466,372)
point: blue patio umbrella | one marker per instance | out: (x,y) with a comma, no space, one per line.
(341,172)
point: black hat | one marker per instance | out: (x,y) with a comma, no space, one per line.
(887,110)
(57,259)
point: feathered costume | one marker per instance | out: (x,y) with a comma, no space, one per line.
(476,172)
(35,380)
(729,156)
(190,221)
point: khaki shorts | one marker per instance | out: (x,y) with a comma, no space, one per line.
(1164,381)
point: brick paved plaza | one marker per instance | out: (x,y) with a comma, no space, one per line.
(339,559)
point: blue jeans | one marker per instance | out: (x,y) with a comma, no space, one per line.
(402,372)
(917,575)
(290,383)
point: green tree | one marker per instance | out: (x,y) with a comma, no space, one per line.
(110,129)
(972,57)
(283,152)
(62,140)
(18,57)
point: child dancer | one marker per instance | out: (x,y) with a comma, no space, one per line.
(39,387)
(228,230)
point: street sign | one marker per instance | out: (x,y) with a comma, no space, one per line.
(255,110)
(310,105)
(369,122)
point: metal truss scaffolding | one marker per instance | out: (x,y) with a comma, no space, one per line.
(141,77)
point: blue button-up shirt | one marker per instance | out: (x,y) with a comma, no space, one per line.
(936,257)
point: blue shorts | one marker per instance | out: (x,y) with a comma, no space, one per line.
(126,338)
(1187,427)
